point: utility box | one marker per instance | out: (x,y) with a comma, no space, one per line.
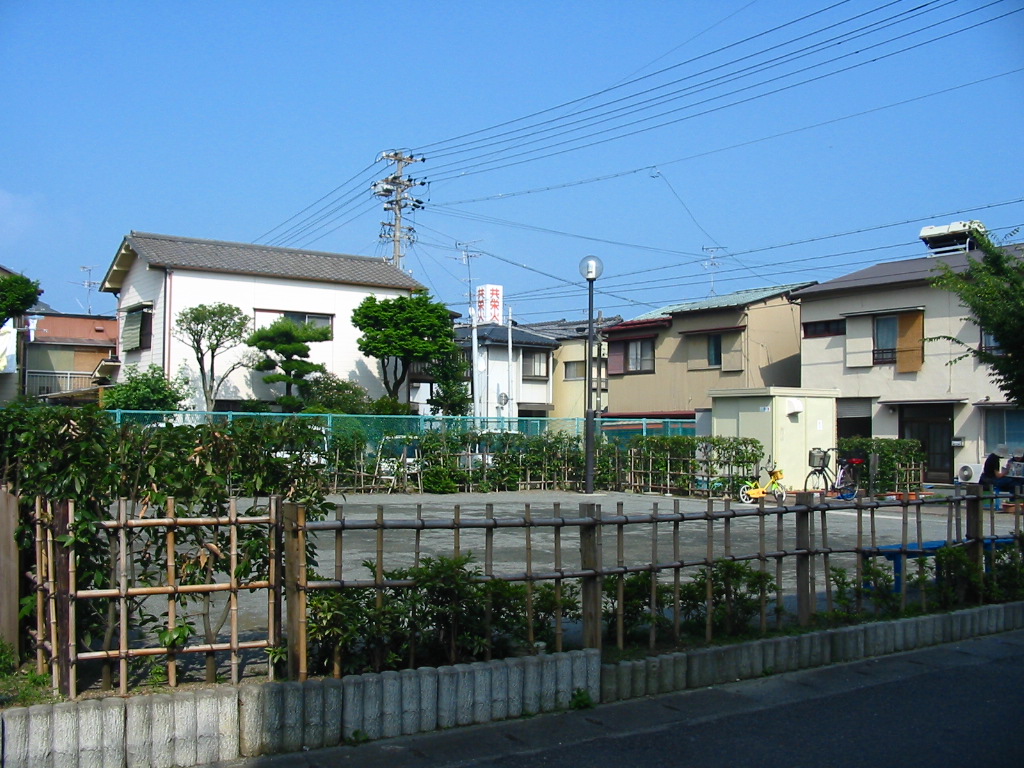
(789,422)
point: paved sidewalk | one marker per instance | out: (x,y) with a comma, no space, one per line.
(948,705)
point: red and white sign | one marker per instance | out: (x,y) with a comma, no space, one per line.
(490,303)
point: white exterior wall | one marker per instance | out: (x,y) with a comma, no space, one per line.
(823,362)
(186,288)
(787,421)
(142,284)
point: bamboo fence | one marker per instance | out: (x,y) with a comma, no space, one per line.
(588,545)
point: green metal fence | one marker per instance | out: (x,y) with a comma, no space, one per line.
(376,428)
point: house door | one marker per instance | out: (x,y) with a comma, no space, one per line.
(932,426)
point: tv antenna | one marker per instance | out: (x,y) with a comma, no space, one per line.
(465,259)
(712,263)
(89,284)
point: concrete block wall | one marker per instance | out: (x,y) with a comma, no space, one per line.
(198,727)
(729,663)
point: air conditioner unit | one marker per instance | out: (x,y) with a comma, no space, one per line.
(969,473)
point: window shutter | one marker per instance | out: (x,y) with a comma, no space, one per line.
(910,345)
(616,357)
(131,331)
(732,351)
(859,342)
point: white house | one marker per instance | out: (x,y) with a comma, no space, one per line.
(877,336)
(155,277)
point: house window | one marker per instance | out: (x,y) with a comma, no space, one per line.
(989,344)
(816,329)
(640,356)
(631,356)
(886,335)
(1004,427)
(575,370)
(137,330)
(535,363)
(714,350)
(320,321)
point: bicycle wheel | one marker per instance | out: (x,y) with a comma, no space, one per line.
(846,484)
(745,496)
(816,481)
(778,490)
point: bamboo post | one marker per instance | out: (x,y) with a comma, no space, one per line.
(339,576)
(233,594)
(530,635)
(72,612)
(803,545)
(975,530)
(780,541)
(859,568)
(652,638)
(709,559)
(620,595)
(172,602)
(51,595)
(41,581)
(904,545)
(763,567)
(122,600)
(825,561)
(62,552)
(559,629)
(457,533)
(275,574)
(294,577)
(677,558)
(489,573)
(590,560)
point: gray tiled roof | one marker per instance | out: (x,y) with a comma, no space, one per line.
(737,299)
(498,334)
(570,329)
(264,260)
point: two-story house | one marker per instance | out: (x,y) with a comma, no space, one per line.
(569,365)
(62,355)
(880,336)
(155,277)
(664,363)
(504,385)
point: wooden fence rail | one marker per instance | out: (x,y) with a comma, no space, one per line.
(587,546)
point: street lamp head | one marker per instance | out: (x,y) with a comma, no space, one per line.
(591,267)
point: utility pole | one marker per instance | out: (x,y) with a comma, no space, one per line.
(394,190)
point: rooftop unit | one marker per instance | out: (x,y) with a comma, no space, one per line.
(951,238)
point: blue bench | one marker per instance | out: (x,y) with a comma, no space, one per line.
(891,552)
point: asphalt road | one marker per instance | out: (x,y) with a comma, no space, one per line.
(952,705)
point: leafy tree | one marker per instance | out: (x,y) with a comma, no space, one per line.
(147,390)
(451,395)
(401,331)
(992,290)
(17,295)
(285,347)
(328,393)
(210,330)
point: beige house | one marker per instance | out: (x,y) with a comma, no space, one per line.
(569,365)
(876,335)
(665,362)
(63,354)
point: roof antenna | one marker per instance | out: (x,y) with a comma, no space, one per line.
(711,264)
(89,284)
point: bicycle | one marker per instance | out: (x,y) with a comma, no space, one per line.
(751,490)
(845,483)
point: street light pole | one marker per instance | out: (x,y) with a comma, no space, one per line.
(591,268)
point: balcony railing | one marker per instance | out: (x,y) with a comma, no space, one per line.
(52,382)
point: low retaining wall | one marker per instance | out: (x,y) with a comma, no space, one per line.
(189,728)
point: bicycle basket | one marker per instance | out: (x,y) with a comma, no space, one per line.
(817,458)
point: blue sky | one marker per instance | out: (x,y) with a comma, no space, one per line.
(695,147)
